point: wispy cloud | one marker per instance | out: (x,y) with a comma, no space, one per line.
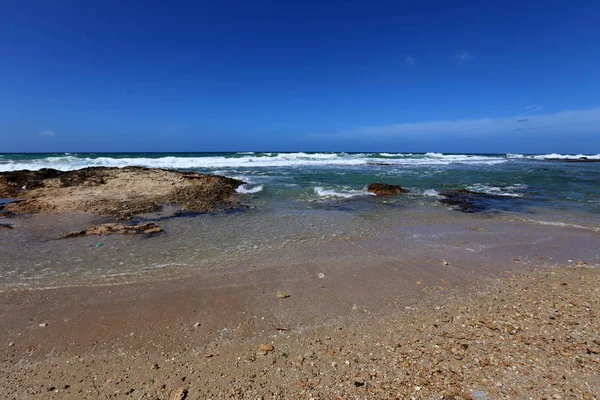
(410,60)
(46,133)
(462,56)
(564,122)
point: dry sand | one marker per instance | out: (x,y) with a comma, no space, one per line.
(525,334)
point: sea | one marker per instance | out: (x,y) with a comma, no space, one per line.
(299,202)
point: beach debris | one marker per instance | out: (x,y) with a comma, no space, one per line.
(11,344)
(321,275)
(445,263)
(419,283)
(43,324)
(580,263)
(282,295)
(384,189)
(180,394)
(264,349)
(197,324)
(111,228)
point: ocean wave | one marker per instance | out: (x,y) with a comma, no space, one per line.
(246,189)
(345,192)
(261,160)
(554,156)
(431,193)
(507,191)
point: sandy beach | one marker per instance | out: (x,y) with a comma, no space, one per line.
(522,334)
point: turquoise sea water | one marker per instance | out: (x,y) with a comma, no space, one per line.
(551,181)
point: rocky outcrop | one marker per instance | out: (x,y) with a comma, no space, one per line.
(111,228)
(119,192)
(384,189)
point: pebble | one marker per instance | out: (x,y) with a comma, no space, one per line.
(282,295)
(180,394)
(264,349)
(44,324)
(321,275)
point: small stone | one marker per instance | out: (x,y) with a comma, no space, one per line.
(321,275)
(154,366)
(512,329)
(44,324)
(197,324)
(180,394)
(419,283)
(593,350)
(265,349)
(11,344)
(282,295)
(445,263)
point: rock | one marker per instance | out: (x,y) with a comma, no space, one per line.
(124,191)
(471,202)
(110,228)
(321,275)
(7,226)
(265,349)
(512,329)
(384,189)
(180,394)
(282,295)
(43,324)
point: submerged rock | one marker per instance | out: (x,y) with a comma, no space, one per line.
(120,192)
(110,228)
(384,189)
(468,201)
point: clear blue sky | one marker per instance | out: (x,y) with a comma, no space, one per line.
(454,76)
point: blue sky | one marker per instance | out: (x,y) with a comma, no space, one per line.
(449,76)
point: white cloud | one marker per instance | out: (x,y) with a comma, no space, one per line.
(463,56)
(410,60)
(47,133)
(563,122)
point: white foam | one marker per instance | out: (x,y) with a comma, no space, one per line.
(496,190)
(245,189)
(345,192)
(70,162)
(431,193)
(556,156)
(563,224)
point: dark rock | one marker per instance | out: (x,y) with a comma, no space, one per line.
(7,226)
(468,201)
(109,229)
(384,189)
